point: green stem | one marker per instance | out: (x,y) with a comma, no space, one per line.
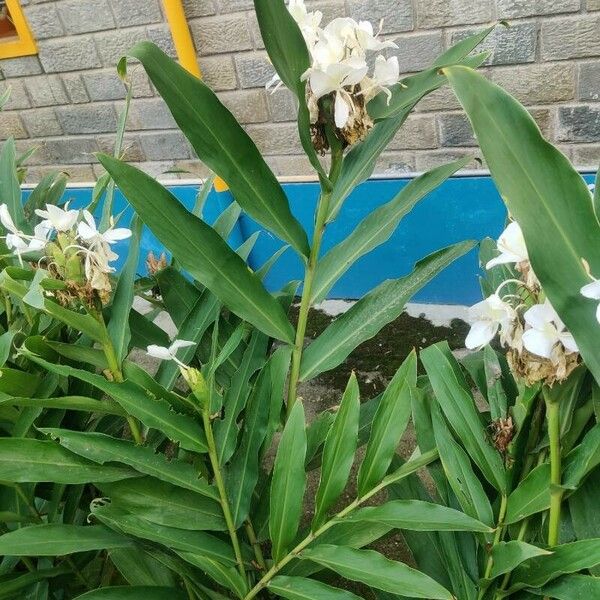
(556,492)
(258,553)
(214,461)
(497,539)
(409,468)
(8,309)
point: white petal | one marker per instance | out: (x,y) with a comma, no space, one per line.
(321,83)
(598,313)
(158,352)
(481,333)
(503,259)
(539,316)
(342,111)
(568,341)
(115,235)
(14,241)
(6,219)
(85,231)
(539,343)
(511,241)
(177,344)
(591,290)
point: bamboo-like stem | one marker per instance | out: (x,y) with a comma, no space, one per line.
(258,553)
(497,539)
(556,492)
(407,469)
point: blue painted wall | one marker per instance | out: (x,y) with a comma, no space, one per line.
(462,208)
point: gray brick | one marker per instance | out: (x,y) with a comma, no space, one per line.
(132,150)
(593,4)
(511,9)
(418,133)
(229,6)
(113,45)
(41,122)
(89,118)
(161,36)
(586,156)
(75,87)
(417,52)
(227,33)
(247,106)
(77,173)
(84,16)
(11,126)
(544,117)
(509,45)
(136,12)
(290,166)
(46,90)
(150,114)
(397,16)
(218,72)
(21,66)
(18,98)
(571,38)
(165,145)
(191,168)
(589,82)
(254,70)
(538,83)
(281,138)
(441,13)
(69,54)
(140,82)
(579,124)
(44,21)
(68,150)
(104,85)
(395,163)
(430,159)
(456,131)
(283,105)
(198,8)
(441,99)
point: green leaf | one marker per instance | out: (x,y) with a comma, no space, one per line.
(565,559)
(376,228)
(138,568)
(143,405)
(178,293)
(10,587)
(9,180)
(373,569)
(582,459)
(196,542)
(388,426)
(546,196)
(279,368)
(6,343)
(571,587)
(417,515)
(18,383)
(300,588)
(378,308)
(338,453)
(222,144)
(79,403)
(496,396)
(224,575)
(118,326)
(101,448)
(134,593)
(200,250)
(507,556)
(27,460)
(288,483)
(531,496)
(58,540)
(458,405)
(144,332)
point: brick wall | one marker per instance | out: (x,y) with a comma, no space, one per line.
(67,99)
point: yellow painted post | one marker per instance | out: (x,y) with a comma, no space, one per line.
(25,44)
(186,52)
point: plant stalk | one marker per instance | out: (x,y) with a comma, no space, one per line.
(258,553)
(497,539)
(556,492)
(408,469)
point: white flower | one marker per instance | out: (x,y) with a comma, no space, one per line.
(487,318)
(88,231)
(386,73)
(169,353)
(307,21)
(358,37)
(511,245)
(58,218)
(546,331)
(20,242)
(592,291)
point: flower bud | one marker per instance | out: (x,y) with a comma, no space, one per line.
(198,385)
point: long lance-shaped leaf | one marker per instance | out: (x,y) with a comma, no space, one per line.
(375,570)
(222,144)
(80,403)
(301,588)
(377,227)
(507,556)
(378,308)
(135,592)
(287,50)
(11,190)
(101,448)
(138,402)
(458,405)
(288,484)
(571,587)
(20,583)
(32,461)
(546,196)
(200,250)
(388,426)
(57,540)
(338,452)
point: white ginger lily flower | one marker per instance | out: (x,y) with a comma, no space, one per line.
(386,73)
(546,331)
(307,21)
(357,37)
(169,353)
(487,318)
(20,242)
(511,244)
(592,291)
(88,231)
(61,219)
